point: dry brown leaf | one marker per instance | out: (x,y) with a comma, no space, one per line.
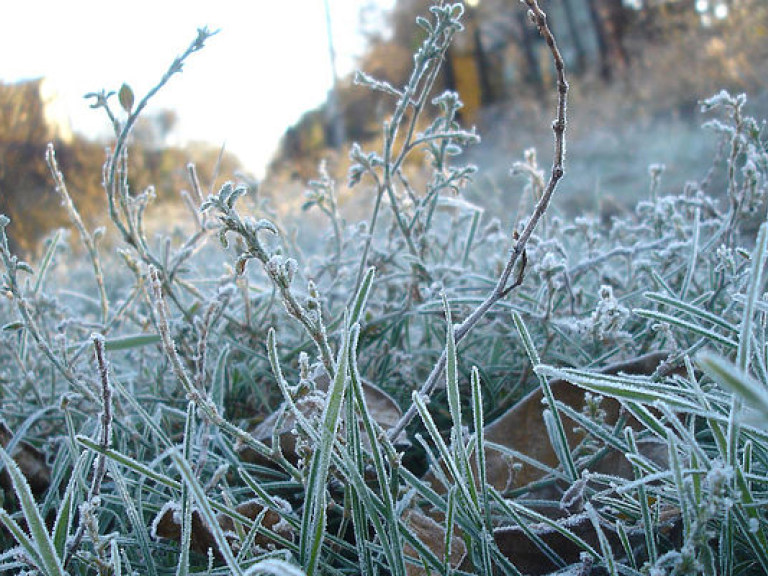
(528,557)
(432,534)
(522,429)
(31,461)
(167,524)
(516,545)
(382,407)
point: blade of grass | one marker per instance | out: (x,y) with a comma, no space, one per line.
(204,506)
(650,536)
(63,523)
(687,326)
(50,561)
(637,389)
(733,378)
(557,435)
(45,263)
(694,254)
(362,296)
(21,537)
(135,517)
(688,308)
(114,555)
(376,436)
(477,415)
(470,237)
(448,458)
(186,504)
(454,406)
(758,258)
(313,522)
(605,546)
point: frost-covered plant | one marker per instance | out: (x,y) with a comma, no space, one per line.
(190,409)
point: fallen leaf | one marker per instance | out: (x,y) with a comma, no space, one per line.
(522,429)
(529,558)
(167,524)
(382,407)
(432,534)
(31,461)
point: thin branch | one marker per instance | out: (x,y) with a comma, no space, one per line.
(503,287)
(105,442)
(85,236)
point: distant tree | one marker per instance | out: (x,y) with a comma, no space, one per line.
(575,34)
(27,193)
(610,21)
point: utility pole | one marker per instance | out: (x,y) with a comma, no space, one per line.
(334,118)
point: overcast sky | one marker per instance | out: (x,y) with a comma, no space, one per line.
(268,64)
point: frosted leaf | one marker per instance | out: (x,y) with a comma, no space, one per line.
(174,508)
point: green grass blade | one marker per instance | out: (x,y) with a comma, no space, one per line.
(448,457)
(479,423)
(470,237)
(454,407)
(753,292)
(625,543)
(362,296)
(691,309)
(694,254)
(135,517)
(21,537)
(313,524)
(45,263)
(555,427)
(114,556)
(219,378)
(452,374)
(449,519)
(650,536)
(50,562)
(605,546)
(129,463)
(680,488)
(393,544)
(63,523)
(131,341)
(730,376)
(633,389)
(186,503)
(691,327)
(200,498)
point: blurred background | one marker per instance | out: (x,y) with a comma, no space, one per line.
(272,95)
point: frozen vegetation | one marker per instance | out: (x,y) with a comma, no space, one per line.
(431,392)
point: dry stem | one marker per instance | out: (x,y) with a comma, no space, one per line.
(503,286)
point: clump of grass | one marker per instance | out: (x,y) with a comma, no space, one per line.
(132,397)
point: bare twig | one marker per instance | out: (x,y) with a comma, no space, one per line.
(105,441)
(88,239)
(503,286)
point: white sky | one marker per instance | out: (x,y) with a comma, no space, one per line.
(268,64)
